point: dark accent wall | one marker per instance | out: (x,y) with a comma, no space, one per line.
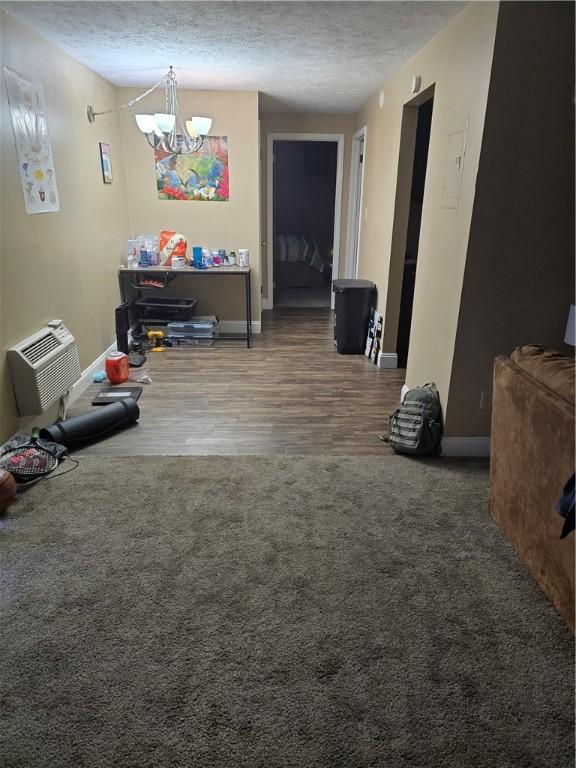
(519,276)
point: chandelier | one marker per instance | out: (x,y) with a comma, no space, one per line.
(166,130)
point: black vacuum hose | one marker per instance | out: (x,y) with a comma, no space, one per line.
(94,424)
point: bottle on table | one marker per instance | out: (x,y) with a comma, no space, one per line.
(143,258)
(132,253)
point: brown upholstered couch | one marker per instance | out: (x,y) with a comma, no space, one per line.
(532,456)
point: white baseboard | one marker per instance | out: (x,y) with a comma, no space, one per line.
(387,360)
(267,304)
(239,326)
(466,446)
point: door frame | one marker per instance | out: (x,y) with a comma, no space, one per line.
(355,201)
(268,303)
(404,171)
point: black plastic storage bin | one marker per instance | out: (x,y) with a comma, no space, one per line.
(165,310)
(353,302)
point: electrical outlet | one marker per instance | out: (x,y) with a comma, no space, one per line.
(484,400)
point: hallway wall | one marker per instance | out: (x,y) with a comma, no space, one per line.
(59,265)
(496,265)
(457,62)
(519,276)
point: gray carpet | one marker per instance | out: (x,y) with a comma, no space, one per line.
(274,613)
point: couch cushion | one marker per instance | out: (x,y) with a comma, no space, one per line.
(549,367)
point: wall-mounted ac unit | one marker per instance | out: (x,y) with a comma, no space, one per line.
(43,367)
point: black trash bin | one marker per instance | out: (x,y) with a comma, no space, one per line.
(353,302)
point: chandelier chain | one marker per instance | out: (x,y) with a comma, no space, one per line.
(133,101)
(179,139)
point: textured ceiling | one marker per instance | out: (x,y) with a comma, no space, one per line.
(302,56)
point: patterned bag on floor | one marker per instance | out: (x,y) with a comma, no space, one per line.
(416,427)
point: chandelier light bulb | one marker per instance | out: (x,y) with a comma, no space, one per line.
(198,126)
(164,122)
(145,123)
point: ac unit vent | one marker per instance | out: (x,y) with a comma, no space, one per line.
(40,348)
(44,366)
(58,376)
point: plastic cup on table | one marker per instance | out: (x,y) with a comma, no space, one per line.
(197,255)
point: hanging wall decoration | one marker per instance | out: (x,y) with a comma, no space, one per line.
(202,175)
(33,148)
(106,163)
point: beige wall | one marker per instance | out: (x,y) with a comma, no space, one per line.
(457,63)
(519,277)
(231,225)
(286,122)
(59,265)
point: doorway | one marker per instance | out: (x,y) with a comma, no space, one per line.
(304,193)
(420,162)
(355,207)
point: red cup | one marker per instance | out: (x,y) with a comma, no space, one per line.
(117,367)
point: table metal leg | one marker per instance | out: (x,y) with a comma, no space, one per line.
(248,309)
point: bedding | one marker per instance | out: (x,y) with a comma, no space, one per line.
(294,249)
(299,262)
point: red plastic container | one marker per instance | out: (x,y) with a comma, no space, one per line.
(117,368)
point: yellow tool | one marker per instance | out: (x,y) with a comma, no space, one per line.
(157,337)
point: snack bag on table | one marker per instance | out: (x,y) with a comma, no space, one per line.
(171,244)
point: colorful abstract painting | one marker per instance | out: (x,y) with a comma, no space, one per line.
(202,175)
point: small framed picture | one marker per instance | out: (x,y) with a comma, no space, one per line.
(106,163)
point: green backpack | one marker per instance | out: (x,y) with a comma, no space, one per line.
(416,427)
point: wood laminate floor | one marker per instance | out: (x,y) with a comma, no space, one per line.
(291,393)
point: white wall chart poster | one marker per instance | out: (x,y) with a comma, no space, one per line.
(33,148)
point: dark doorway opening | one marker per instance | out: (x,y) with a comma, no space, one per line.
(413,232)
(303,221)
